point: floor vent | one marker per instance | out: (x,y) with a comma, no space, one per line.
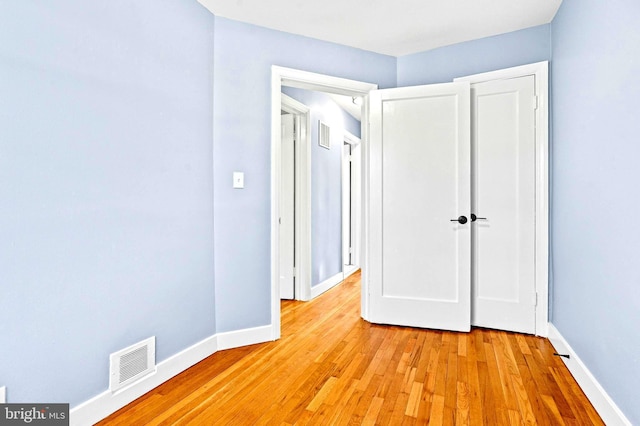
(132,363)
(324,139)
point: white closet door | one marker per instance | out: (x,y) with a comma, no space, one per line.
(420,186)
(287,196)
(503,192)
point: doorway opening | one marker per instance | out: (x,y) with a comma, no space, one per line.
(293,260)
(302,216)
(351,202)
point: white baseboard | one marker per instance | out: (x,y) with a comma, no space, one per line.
(602,402)
(106,403)
(245,337)
(327,284)
(350,271)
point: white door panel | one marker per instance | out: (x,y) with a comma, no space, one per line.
(503,181)
(420,155)
(346,208)
(286,232)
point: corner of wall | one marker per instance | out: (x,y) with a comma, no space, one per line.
(106,403)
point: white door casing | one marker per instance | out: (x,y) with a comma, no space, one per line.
(351,199)
(420,182)
(302,189)
(281,76)
(356,198)
(346,207)
(287,196)
(503,196)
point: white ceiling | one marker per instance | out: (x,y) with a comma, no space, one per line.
(391,27)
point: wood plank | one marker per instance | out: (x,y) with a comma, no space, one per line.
(372,413)
(413,404)
(332,367)
(475,400)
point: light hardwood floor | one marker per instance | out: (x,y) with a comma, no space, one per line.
(332,367)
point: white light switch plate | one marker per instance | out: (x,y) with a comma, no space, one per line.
(3,395)
(238,180)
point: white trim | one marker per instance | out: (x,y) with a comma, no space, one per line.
(365,224)
(327,284)
(276,140)
(350,138)
(350,271)
(540,71)
(310,81)
(602,402)
(293,106)
(106,403)
(245,337)
(320,82)
(356,201)
(3,394)
(302,220)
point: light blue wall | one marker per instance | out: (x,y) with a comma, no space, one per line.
(106,167)
(595,235)
(326,182)
(243,56)
(106,235)
(472,57)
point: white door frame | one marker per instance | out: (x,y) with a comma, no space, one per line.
(540,71)
(281,76)
(302,120)
(353,182)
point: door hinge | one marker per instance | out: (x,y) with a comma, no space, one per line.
(535,102)
(294,271)
(535,299)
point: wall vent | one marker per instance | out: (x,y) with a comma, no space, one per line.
(324,136)
(130,364)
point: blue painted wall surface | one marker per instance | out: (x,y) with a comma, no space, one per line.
(243,56)
(596,238)
(106,232)
(326,182)
(472,57)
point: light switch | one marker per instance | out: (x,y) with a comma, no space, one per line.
(238,180)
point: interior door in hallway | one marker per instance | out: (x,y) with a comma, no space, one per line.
(503,199)
(420,232)
(287,226)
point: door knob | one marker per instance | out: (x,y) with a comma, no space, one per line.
(474,218)
(461,220)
